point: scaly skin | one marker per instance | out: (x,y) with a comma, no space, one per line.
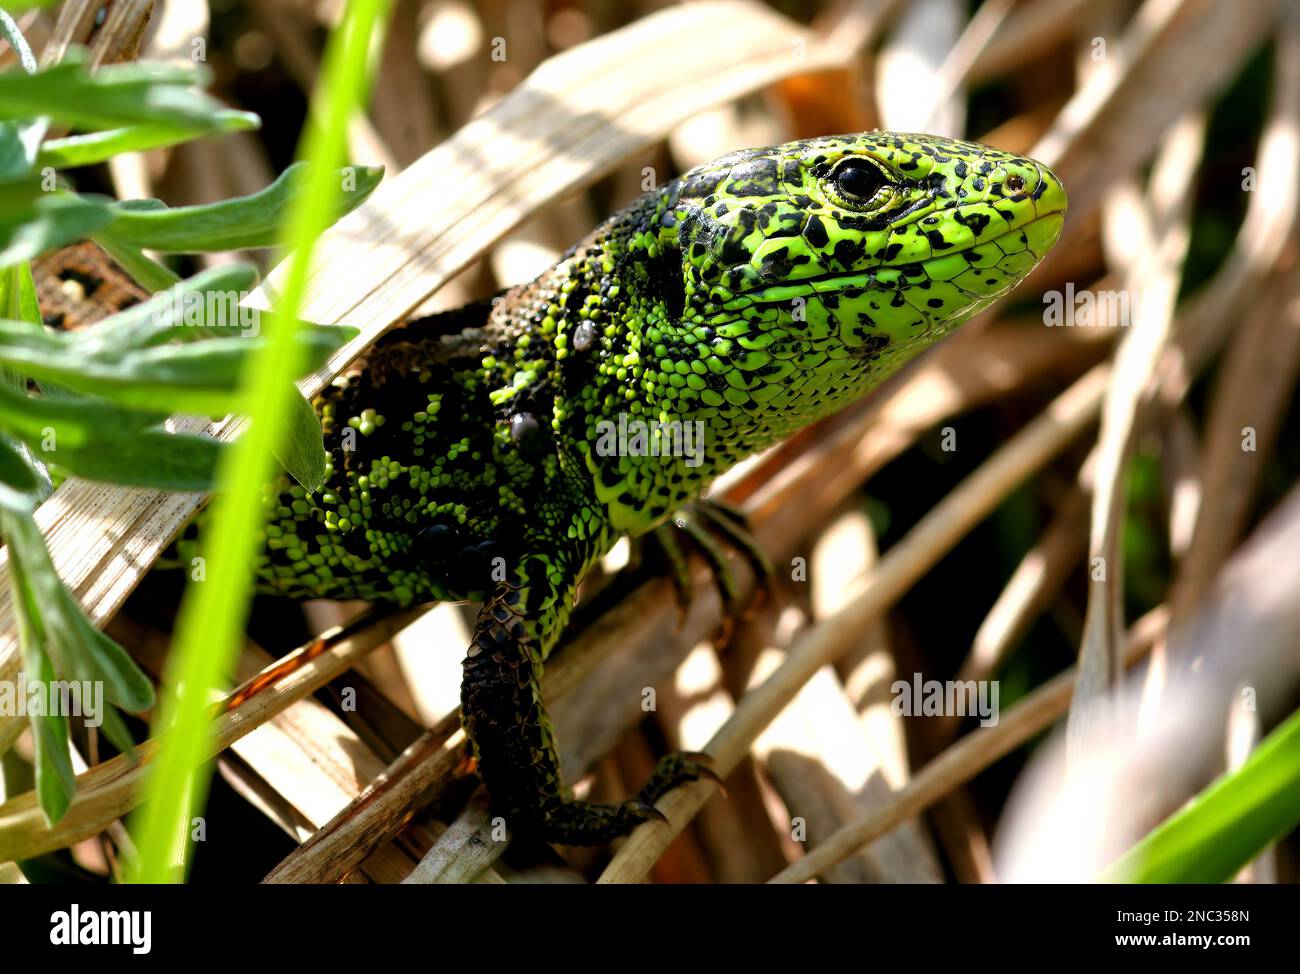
(753,295)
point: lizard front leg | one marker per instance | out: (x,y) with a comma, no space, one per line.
(506,721)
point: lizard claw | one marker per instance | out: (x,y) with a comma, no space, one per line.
(647,812)
(698,522)
(701,765)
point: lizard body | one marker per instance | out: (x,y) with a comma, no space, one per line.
(477,454)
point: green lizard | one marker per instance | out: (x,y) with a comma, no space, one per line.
(485,454)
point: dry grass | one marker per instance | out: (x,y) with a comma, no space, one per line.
(487,158)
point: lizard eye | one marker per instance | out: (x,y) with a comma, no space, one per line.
(857,181)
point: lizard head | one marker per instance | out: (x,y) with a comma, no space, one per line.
(810,270)
(771,287)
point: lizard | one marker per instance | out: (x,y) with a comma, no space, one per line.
(475,454)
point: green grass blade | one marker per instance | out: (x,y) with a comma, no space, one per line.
(1228,824)
(213,613)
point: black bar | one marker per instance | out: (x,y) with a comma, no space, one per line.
(333,924)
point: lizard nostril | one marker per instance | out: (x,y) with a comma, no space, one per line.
(1015,183)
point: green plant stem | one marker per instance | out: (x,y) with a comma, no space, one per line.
(213,613)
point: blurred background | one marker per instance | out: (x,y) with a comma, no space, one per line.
(1192,225)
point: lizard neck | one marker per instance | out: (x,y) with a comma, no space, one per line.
(636,402)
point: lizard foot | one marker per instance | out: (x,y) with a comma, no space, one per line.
(505,719)
(589,823)
(676,769)
(698,522)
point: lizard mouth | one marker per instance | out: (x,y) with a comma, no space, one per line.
(1037,236)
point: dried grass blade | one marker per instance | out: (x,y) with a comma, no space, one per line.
(963,760)
(1156,277)
(1115,120)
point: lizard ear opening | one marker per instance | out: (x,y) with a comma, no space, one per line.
(666,282)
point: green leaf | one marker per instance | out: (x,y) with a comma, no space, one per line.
(142,380)
(14,161)
(82,652)
(18,300)
(18,294)
(201,378)
(236,224)
(98,440)
(55,780)
(17,196)
(15,471)
(302,452)
(48,223)
(58,642)
(19,140)
(19,146)
(78,650)
(115,729)
(202,306)
(115,96)
(152,458)
(144,270)
(1228,824)
(95,147)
